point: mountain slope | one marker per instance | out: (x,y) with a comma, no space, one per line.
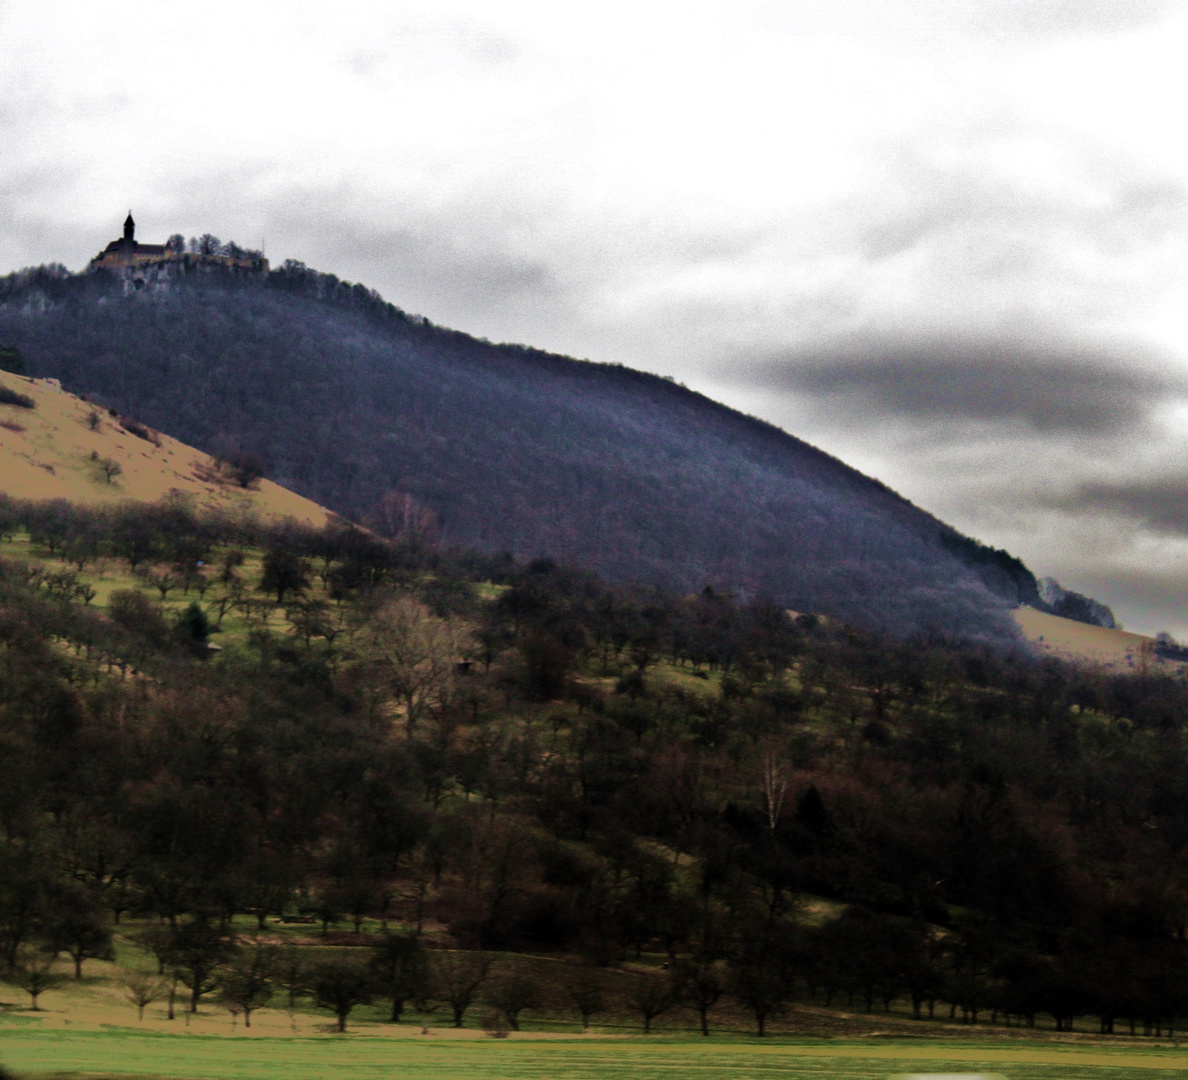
(65,448)
(513,449)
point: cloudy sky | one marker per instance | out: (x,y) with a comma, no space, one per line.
(942,239)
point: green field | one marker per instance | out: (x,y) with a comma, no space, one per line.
(123,1053)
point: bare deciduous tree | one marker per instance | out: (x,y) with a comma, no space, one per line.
(512,996)
(457,977)
(404,520)
(774,781)
(413,655)
(245,984)
(142,990)
(35,976)
(651,997)
(586,995)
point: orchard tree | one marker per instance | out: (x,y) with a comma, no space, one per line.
(586,995)
(81,931)
(197,950)
(36,975)
(339,985)
(245,984)
(651,997)
(702,986)
(457,978)
(412,655)
(511,996)
(400,968)
(285,573)
(142,990)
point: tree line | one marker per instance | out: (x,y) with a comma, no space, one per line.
(502,756)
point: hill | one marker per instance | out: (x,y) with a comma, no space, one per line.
(59,446)
(401,752)
(1111,648)
(507,448)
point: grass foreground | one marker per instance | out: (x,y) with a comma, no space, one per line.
(122,1053)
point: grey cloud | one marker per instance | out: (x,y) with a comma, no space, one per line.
(968,216)
(439,265)
(30,234)
(1158,504)
(1145,600)
(1050,388)
(455,264)
(453,261)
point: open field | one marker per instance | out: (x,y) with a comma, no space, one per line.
(1066,639)
(56,450)
(98,1002)
(116,1053)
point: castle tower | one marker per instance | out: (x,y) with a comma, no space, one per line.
(129,229)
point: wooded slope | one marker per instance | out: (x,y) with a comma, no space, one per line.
(512,449)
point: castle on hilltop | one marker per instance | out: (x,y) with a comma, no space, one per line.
(126,253)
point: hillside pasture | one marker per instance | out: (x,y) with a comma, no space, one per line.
(62,447)
(1109,648)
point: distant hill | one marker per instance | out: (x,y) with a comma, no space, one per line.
(347,398)
(1108,647)
(54,445)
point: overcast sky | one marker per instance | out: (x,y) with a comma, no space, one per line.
(942,239)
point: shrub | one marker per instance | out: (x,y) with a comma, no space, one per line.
(133,427)
(11,397)
(134,611)
(193,627)
(243,467)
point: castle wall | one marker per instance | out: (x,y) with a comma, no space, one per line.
(123,259)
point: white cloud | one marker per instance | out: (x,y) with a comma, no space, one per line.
(674,186)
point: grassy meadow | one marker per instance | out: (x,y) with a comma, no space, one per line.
(105,575)
(88,1028)
(119,1053)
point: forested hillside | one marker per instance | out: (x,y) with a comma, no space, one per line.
(500,756)
(509,449)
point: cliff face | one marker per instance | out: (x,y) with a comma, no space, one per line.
(513,449)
